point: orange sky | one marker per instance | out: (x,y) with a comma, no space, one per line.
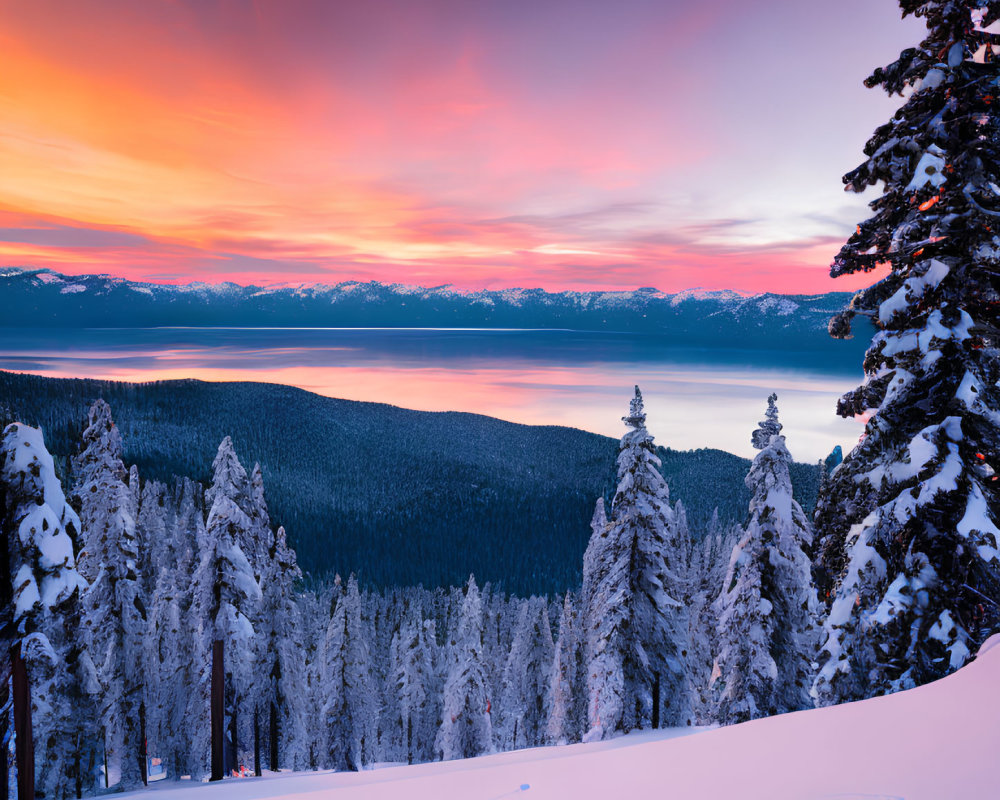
(482,144)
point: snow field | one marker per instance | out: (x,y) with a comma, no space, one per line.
(936,742)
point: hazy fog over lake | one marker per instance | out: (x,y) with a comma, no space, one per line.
(694,397)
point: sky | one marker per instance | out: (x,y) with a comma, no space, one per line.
(562,144)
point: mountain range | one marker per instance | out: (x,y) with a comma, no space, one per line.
(43,298)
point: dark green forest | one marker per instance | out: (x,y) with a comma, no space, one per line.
(398,497)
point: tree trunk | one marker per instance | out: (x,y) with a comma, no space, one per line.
(656,700)
(25,755)
(256,742)
(143,770)
(4,752)
(409,740)
(104,751)
(78,766)
(273,730)
(234,738)
(218,722)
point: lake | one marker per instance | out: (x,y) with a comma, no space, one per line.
(695,397)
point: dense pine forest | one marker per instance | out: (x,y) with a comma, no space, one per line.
(397,497)
(124,586)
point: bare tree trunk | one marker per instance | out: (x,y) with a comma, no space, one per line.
(256,742)
(656,700)
(234,733)
(142,744)
(4,697)
(274,737)
(218,721)
(104,750)
(25,756)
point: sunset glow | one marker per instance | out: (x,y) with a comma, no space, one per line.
(481,144)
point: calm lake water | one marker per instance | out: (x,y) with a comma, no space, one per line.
(694,397)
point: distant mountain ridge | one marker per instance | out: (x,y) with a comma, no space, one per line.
(43,298)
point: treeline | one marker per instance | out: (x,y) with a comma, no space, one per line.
(398,497)
(120,592)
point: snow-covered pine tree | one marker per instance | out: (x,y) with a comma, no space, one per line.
(567,681)
(114,606)
(225,599)
(166,638)
(909,520)
(183,664)
(767,606)
(525,679)
(593,556)
(637,625)
(41,616)
(350,706)
(280,658)
(499,620)
(153,519)
(707,574)
(466,726)
(312,611)
(261,541)
(413,682)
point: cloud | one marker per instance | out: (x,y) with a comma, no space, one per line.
(70,236)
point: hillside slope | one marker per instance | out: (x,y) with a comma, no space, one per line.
(400,497)
(937,742)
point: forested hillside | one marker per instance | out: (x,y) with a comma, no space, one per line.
(398,497)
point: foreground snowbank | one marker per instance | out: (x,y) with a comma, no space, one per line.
(933,743)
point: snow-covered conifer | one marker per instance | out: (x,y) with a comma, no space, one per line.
(567,681)
(414,722)
(909,521)
(593,556)
(114,606)
(279,662)
(153,542)
(466,726)
(350,705)
(42,618)
(637,625)
(225,599)
(708,571)
(767,606)
(521,702)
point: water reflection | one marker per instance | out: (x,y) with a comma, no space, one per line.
(695,397)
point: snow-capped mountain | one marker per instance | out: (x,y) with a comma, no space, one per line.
(41,297)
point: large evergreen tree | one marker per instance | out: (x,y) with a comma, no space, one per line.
(565,714)
(637,626)
(909,520)
(280,658)
(767,605)
(526,677)
(350,705)
(412,680)
(42,619)
(466,725)
(114,604)
(225,599)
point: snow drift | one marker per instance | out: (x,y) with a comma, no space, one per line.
(935,742)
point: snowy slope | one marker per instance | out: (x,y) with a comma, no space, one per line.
(938,742)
